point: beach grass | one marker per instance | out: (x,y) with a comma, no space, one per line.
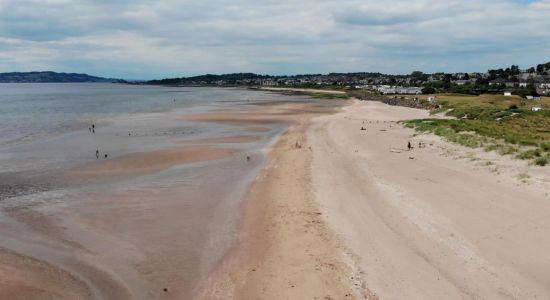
(321,95)
(506,125)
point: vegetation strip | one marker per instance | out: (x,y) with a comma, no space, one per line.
(506,125)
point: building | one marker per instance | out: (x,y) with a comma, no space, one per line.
(508,94)
(399,90)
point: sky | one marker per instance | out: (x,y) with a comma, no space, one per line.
(135,39)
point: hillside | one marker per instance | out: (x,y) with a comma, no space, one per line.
(48,76)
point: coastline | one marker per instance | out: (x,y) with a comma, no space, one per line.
(136,230)
(284,250)
(354,215)
(434,222)
(333,212)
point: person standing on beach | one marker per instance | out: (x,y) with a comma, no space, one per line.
(97,152)
(409,146)
(93,128)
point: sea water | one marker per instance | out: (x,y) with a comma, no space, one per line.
(179,221)
(46,127)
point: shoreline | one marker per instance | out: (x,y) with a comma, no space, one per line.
(333,212)
(353,215)
(426,223)
(119,242)
(283,249)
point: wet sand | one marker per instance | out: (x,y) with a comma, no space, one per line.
(334,212)
(128,244)
(141,163)
(152,233)
(26,278)
(343,213)
(224,140)
(284,249)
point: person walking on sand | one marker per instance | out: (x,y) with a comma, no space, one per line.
(409,146)
(97,152)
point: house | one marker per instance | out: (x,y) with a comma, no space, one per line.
(536,108)
(501,81)
(529,97)
(508,94)
(432,99)
(523,84)
(461,82)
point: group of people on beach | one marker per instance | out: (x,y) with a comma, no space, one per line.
(92,130)
(420,145)
(409,144)
(97,153)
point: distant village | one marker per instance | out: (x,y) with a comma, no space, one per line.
(532,82)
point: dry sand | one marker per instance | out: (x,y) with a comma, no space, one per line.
(301,90)
(284,250)
(336,213)
(424,224)
(357,216)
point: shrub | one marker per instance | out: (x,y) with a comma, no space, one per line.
(541,161)
(529,154)
(545,146)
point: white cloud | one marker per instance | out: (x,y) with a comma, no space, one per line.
(165,38)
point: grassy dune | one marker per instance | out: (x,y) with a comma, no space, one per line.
(506,125)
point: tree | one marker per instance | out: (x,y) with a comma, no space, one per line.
(428,90)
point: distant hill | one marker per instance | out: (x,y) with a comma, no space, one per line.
(48,76)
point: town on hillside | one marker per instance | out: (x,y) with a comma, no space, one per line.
(531,82)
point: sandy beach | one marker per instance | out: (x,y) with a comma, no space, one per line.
(352,214)
(284,249)
(147,225)
(424,224)
(334,212)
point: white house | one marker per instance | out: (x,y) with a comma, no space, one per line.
(536,108)
(508,94)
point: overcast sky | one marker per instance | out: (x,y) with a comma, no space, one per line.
(155,39)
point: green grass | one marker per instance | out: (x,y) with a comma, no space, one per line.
(316,94)
(496,123)
(529,154)
(542,161)
(321,95)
